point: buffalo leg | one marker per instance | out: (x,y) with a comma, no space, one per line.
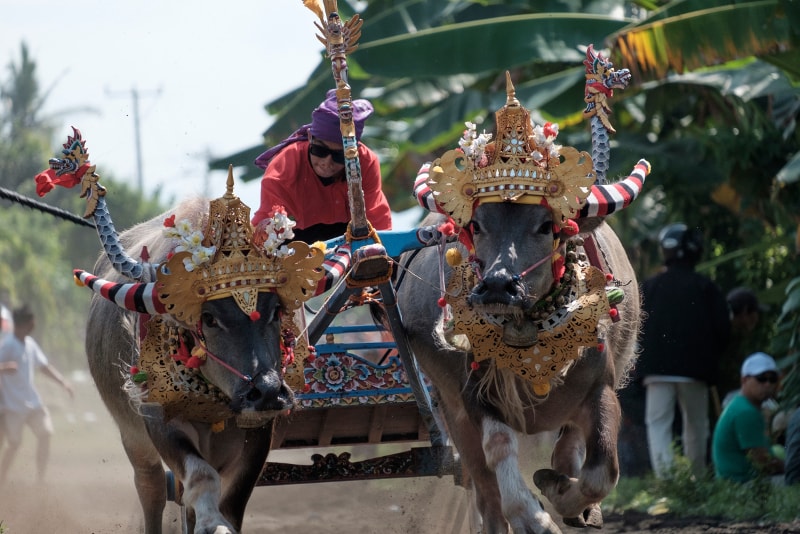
(149,478)
(240,483)
(201,482)
(521,508)
(585,464)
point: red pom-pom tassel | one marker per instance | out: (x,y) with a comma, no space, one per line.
(474,366)
(441,302)
(255,316)
(601,347)
(570,227)
(447,228)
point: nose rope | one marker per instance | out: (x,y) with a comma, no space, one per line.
(535,265)
(198,337)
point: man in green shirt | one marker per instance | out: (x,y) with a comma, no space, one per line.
(741,447)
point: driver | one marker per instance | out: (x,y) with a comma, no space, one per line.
(305,174)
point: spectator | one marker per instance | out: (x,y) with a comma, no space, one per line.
(22,402)
(745,309)
(741,447)
(792,447)
(745,313)
(685,330)
(305,174)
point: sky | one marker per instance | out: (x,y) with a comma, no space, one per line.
(203,71)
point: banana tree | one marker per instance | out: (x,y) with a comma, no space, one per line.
(423,97)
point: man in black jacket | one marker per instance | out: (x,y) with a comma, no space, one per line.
(686,330)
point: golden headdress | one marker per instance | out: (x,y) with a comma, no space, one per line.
(522,165)
(231,258)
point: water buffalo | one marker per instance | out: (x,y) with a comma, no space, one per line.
(189,347)
(529,333)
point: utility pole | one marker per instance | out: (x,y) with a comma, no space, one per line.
(135,95)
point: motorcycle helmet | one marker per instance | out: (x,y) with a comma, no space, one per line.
(680,243)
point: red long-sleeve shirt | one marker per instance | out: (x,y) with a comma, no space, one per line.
(290,181)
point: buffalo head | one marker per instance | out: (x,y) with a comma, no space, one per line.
(248,361)
(513,259)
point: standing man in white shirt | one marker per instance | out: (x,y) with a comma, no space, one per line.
(23,405)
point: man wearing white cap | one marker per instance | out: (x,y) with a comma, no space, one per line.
(741,447)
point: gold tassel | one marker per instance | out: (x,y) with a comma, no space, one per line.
(453,257)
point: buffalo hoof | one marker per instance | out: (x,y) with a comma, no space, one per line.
(591,517)
(548,480)
(594,516)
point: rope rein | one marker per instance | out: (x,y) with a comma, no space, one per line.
(200,340)
(535,265)
(45,208)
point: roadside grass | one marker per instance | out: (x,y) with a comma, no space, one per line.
(684,495)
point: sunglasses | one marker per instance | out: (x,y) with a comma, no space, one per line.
(772,378)
(321,151)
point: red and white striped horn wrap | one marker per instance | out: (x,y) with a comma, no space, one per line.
(605,199)
(138,297)
(422,191)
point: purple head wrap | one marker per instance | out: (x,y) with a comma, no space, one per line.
(324,125)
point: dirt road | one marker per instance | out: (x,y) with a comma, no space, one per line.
(90,490)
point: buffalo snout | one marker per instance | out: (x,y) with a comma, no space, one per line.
(267,392)
(498,287)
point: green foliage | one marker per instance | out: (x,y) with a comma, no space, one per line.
(684,495)
(786,343)
(37,251)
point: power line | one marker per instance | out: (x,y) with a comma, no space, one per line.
(135,95)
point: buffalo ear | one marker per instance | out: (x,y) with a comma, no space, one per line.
(589,224)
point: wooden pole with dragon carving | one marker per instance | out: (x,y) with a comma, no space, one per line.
(340,38)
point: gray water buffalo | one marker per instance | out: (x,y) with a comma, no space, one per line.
(199,384)
(190,346)
(535,327)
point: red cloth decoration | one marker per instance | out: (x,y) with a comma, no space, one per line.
(558,266)
(169,222)
(47,180)
(474,366)
(255,316)
(193,362)
(183,352)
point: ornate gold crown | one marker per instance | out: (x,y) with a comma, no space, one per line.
(523,165)
(231,258)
